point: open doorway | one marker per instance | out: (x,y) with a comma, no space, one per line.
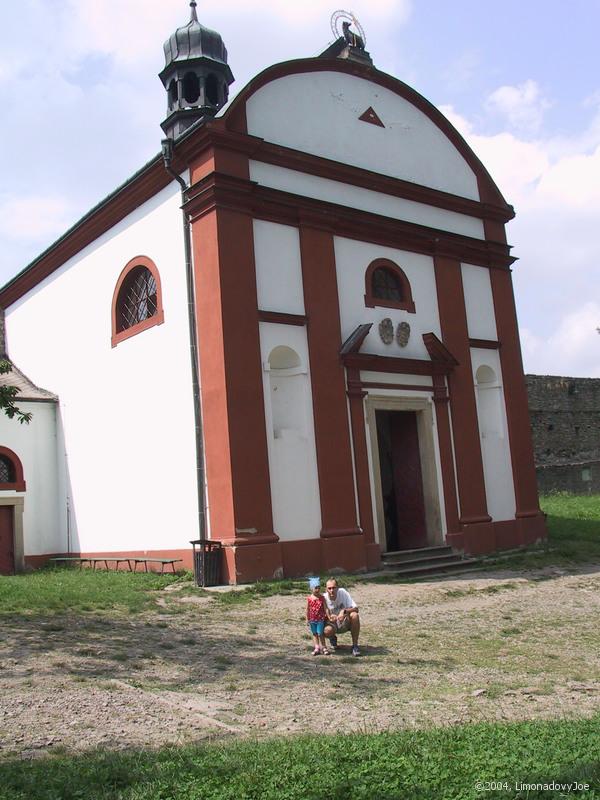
(404,472)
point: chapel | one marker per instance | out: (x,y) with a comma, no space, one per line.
(292,332)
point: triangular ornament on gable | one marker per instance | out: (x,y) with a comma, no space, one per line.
(371,116)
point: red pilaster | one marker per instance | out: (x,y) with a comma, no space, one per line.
(517,410)
(334,457)
(467,448)
(356,397)
(231,387)
(441,400)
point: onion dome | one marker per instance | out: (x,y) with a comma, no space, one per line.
(194,41)
(196,75)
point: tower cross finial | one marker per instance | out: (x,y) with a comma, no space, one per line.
(194,17)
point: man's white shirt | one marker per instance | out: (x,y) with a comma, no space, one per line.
(342,600)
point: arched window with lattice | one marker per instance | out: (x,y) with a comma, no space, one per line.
(137,299)
(11,471)
(386,285)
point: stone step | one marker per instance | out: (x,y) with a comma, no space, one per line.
(396,556)
(431,569)
(447,558)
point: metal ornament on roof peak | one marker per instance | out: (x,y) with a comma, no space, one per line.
(194,15)
(347,18)
(386,330)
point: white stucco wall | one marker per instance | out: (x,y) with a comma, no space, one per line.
(290,436)
(352,260)
(477,289)
(323,119)
(36,446)
(289,180)
(126,412)
(493,430)
(278,268)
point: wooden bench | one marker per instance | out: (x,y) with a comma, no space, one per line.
(162,561)
(93,561)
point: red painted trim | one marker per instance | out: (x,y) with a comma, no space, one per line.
(332,434)
(485,344)
(403,366)
(18,485)
(155,319)
(290,209)
(234,117)
(287,157)
(371,301)
(282,318)
(371,116)
(440,400)
(361,458)
(438,352)
(359,385)
(515,398)
(467,446)
(235,435)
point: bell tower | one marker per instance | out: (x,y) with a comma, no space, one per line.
(196,75)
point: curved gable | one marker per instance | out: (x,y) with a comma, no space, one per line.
(315,106)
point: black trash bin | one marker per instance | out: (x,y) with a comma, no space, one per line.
(207,562)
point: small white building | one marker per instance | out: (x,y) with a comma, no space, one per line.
(333,370)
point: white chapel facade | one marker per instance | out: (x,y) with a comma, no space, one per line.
(336,375)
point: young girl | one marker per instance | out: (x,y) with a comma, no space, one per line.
(316,615)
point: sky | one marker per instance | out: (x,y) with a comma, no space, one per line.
(82,105)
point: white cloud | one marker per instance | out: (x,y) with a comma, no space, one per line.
(554,184)
(33,217)
(130,31)
(523,106)
(573,349)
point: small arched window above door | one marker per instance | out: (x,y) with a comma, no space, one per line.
(386,285)
(11,471)
(137,299)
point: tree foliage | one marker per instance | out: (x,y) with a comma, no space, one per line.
(7,397)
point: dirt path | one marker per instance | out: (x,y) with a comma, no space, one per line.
(477,647)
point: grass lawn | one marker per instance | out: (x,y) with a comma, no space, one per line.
(445,763)
(64,589)
(573,525)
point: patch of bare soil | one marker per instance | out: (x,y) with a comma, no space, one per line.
(469,648)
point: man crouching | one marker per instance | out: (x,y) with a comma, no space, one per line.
(342,615)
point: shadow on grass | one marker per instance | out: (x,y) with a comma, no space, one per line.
(155,655)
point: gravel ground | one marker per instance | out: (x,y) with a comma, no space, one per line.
(500,646)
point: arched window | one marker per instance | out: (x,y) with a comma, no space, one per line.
(137,300)
(387,285)
(191,87)
(212,90)
(173,93)
(11,471)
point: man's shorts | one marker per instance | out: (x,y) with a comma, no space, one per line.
(317,627)
(340,627)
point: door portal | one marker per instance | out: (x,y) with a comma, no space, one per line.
(401,480)
(7,548)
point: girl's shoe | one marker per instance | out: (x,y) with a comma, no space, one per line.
(326,652)
(317,651)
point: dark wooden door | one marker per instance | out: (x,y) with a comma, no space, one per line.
(408,481)
(7,551)
(401,480)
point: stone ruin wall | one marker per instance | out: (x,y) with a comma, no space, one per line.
(565,422)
